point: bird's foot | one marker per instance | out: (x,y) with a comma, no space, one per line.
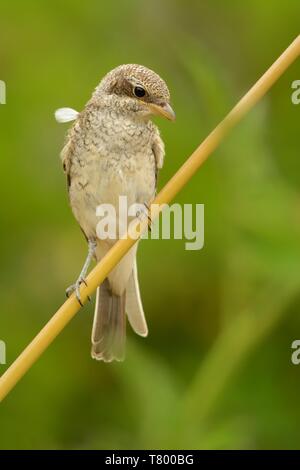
(81,280)
(144,213)
(76,288)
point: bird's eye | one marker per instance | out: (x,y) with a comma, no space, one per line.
(139,91)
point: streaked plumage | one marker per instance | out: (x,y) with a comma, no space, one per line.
(114,149)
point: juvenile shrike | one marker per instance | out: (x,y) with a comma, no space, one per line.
(112,150)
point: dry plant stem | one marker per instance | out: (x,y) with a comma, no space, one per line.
(66,312)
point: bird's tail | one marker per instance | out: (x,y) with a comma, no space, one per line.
(109,327)
(134,307)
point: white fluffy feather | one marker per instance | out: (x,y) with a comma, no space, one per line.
(66,114)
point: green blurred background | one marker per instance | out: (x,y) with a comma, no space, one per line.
(215,371)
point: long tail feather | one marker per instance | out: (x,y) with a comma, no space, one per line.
(109,327)
(134,307)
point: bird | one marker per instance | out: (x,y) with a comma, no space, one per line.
(114,149)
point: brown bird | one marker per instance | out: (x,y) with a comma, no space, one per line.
(113,150)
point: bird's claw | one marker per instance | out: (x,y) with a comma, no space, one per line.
(76,288)
(145,213)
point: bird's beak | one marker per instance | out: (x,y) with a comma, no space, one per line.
(164,110)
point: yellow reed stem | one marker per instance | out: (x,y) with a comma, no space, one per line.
(67,311)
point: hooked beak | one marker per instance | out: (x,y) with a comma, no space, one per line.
(164,110)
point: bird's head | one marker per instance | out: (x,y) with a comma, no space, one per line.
(136,89)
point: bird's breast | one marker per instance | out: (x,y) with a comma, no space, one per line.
(115,159)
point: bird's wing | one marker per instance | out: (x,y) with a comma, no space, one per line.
(66,156)
(67,115)
(158,149)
